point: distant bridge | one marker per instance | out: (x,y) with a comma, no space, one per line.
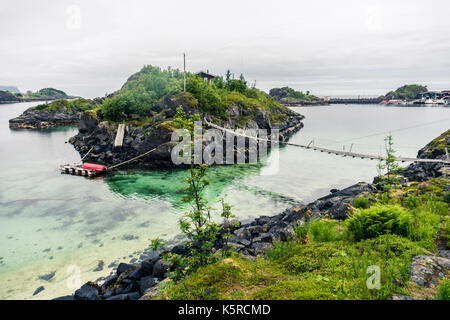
(355,101)
(331,151)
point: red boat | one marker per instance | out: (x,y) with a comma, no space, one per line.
(95,167)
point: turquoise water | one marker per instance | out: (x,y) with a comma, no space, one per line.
(50,221)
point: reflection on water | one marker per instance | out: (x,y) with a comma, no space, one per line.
(170,185)
(49,221)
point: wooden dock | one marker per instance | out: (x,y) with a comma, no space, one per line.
(119,136)
(78,170)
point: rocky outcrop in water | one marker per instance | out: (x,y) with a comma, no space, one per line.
(436,149)
(145,133)
(57,113)
(8,97)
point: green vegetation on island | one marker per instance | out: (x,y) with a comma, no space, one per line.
(406,92)
(147,87)
(288,95)
(48,93)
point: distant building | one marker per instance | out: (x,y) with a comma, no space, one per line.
(431,95)
(206,75)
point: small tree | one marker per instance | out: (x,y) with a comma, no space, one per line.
(227,227)
(389,164)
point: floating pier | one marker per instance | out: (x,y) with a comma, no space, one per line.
(87,169)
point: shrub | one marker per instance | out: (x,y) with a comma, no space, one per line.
(444,290)
(323,231)
(280,249)
(301,229)
(378,220)
(361,203)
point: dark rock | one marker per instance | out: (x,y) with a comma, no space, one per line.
(125,296)
(282,234)
(135,275)
(99,266)
(63,298)
(260,247)
(109,280)
(41,288)
(130,237)
(124,267)
(129,286)
(255,230)
(146,283)
(263,237)
(263,220)
(86,292)
(180,249)
(160,268)
(242,233)
(147,266)
(244,242)
(47,277)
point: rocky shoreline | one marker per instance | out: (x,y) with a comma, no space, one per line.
(140,280)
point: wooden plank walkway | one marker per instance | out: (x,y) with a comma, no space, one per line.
(330,151)
(119,136)
(78,170)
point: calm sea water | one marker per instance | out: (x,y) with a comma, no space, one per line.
(50,222)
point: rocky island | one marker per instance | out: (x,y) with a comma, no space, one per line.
(289,96)
(12,95)
(147,103)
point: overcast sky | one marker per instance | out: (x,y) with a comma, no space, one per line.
(330,47)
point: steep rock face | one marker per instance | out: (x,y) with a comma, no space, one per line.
(433,150)
(154,131)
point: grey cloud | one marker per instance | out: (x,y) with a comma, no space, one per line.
(328,47)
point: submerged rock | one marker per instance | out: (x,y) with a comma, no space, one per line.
(41,288)
(47,277)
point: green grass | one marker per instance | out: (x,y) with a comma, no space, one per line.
(361,202)
(327,270)
(444,290)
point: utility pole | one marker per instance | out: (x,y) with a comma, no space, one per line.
(184,74)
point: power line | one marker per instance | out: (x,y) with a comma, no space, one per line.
(395,130)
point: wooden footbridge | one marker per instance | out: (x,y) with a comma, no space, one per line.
(331,151)
(90,170)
